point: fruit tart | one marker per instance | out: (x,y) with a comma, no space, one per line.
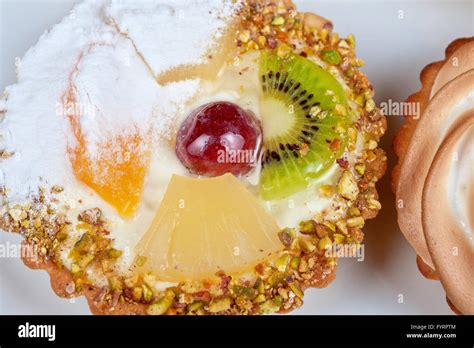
(190,157)
(434,178)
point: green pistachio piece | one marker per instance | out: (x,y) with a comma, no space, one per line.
(259,286)
(114,253)
(295,261)
(244,291)
(75,268)
(331,57)
(169,293)
(308,227)
(260,298)
(279,20)
(137,293)
(147,293)
(303,266)
(193,307)
(160,307)
(306,245)
(339,238)
(286,236)
(296,289)
(115,283)
(85,260)
(271,306)
(282,262)
(219,305)
(276,278)
(325,243)
(163,304)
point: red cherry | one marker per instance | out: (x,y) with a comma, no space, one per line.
(219,138)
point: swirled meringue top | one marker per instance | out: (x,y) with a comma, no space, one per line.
(436,180)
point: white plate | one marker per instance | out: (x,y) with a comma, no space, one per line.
(396,39)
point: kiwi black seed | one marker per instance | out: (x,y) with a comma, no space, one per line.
(298,110)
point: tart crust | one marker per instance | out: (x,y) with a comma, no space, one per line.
(102,302)
(320,269)
(403,137)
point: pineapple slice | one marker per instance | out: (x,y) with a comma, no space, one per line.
(206,225)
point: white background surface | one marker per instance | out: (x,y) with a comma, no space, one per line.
(395,50)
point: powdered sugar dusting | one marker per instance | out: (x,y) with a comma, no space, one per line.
(108,73)
(32,128)
(168,115)
(115,93)
(157,27)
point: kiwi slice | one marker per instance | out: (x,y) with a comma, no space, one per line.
(304,117)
